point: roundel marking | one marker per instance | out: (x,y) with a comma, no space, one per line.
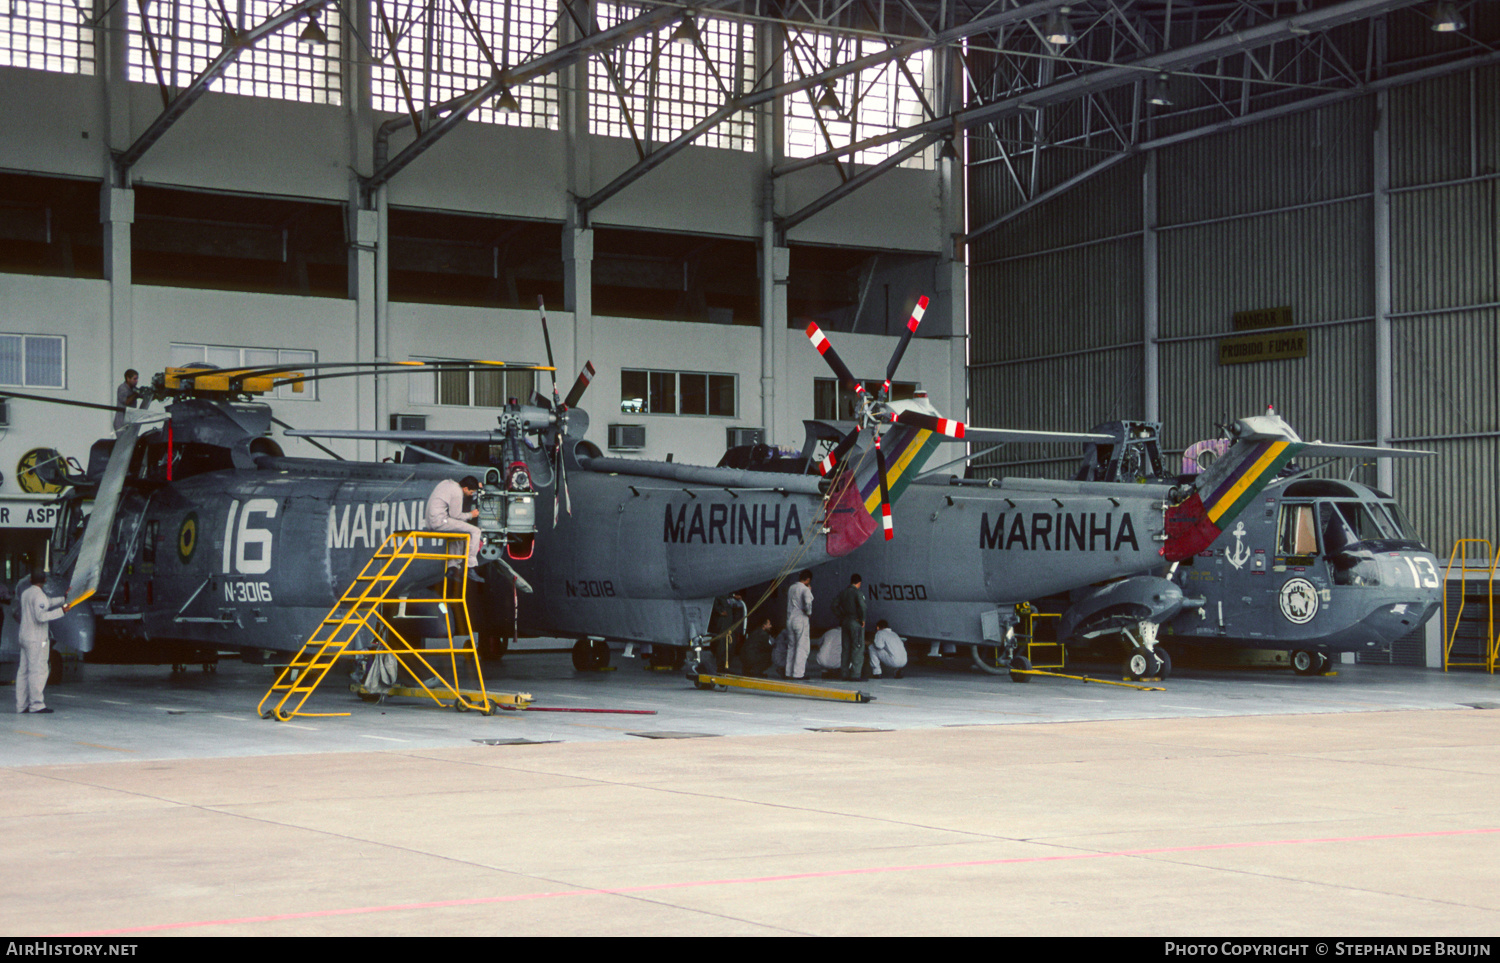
(36,472)
(187,537)
(1299,601)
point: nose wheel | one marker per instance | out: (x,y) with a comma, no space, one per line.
(1309,663)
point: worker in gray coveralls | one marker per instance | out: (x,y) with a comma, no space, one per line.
(445,513)
(37,609)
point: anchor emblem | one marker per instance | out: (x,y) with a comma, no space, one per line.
(1241,554)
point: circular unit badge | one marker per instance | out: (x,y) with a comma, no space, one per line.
(187,537)
(1299,601)
(37,472)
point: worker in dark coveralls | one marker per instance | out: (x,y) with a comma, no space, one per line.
(849,609)
(755,654)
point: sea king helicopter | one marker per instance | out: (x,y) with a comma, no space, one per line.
(191,531)
(1238,561)
(1326,566)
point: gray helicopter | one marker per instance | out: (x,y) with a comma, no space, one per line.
(974,549)
(191,531)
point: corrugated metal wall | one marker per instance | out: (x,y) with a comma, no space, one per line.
(1281,213)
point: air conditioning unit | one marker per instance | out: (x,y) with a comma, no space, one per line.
(627,437)
(744,436)
(408,422)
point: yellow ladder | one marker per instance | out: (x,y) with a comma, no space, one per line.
(1034,649)
(360,609)
(1460,555)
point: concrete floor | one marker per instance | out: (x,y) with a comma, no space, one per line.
(1362,804)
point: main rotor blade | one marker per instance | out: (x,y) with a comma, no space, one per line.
(1361,451)
(836,456)
(825,348)
(911,329)
(381,434)
(943,426)
(959,431)
(60,401)
(1018,435)
(580,386)
(288,429)
(541,307)
(885,494)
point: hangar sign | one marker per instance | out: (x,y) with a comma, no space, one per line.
(1273,345)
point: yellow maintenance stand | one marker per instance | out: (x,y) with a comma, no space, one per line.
(360,610)
(1469,633)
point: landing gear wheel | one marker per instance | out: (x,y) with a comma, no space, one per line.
(1139,665)
(1019,666)
(1325,664)
(990,658)
(1165,658)
(495,647)
(1305,662)
(590,655)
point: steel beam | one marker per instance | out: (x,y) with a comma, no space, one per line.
(659,156)
(1106,78)
(790,221)
(127,158)
(1244,120)
(547,63)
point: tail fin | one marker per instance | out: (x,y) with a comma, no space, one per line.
(1262,446)
(855,505)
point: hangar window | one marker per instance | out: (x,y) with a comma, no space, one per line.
(230,356)
(662,83)
(427,53)
(677,393)
(832,402)
(50,35)
(173,41)
(471,389)
(865,104)
(33,361)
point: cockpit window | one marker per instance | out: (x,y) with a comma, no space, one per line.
(1345,523)
(1296,533)
(1400,524)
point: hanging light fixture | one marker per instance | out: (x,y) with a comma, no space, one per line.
(949,151)
(1059,31)
(828,103)
(1446,18)
(686,32)
(507,104)
(1161,91)
(312,34)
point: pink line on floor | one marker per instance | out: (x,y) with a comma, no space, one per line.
(820,874)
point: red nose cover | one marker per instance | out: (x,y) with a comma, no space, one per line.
(849,522)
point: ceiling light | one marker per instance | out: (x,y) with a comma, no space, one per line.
(1161,91)
(686,32)
(828,104)
(1059,32)
(313,32)
(1446,18)
(507,103)
(949,151)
